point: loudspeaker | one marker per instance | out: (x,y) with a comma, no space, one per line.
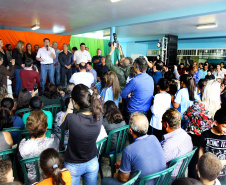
(172,50)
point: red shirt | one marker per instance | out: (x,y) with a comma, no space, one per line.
(29,78)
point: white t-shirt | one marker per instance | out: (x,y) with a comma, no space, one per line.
(162,102)
(80,56)
(218,75)
(46,55)
(85,78)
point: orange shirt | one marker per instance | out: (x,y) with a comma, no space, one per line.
(65,175)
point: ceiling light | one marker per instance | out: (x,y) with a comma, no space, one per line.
(58,29)
(35,27)
(206,26)
(114,1)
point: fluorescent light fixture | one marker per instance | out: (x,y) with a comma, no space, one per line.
(114,1)
(206,26)
(35,27)
(58,29)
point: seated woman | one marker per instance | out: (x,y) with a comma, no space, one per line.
(52,165)
(36,126)
(8,103)
(3,92)
(23,99)
(113,119)
(50,95)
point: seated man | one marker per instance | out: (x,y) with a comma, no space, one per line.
(82,77)
(144,154)
(176,142)
(93,71)
(36,104)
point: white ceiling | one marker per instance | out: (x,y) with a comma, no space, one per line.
(178,26)
(74,14)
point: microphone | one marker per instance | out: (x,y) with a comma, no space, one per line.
(47,47)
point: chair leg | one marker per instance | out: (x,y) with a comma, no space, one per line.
(100,168)
(112,163)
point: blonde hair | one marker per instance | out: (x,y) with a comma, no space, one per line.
(211,96)
(19,46)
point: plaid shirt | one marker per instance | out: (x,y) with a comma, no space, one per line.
(176,144)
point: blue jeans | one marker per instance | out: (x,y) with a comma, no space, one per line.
(47,68)
(56,72)
(88,171)
(18,83)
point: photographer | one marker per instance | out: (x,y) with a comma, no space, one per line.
(122,71)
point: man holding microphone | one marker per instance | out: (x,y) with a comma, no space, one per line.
(46,55)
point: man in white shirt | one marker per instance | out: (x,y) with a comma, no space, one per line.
(81,55)
(218,73)
(82,77)
(46,55)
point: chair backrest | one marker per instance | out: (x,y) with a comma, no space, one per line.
(23,163)
(133,180)
(11,129)
(162,177)
(122,134)
(25,134)
(101,146)
(54,109)
(22,111)
(184,162)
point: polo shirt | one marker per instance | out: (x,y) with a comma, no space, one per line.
(142,88)
(80,56)
(218,75)
(85,78)
(65,59)
(93,71)
(45,55)
(144,154)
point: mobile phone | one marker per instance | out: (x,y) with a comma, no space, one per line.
(35,87)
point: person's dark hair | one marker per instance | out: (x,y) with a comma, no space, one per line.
(209,70)
(7,102)
(169,75)
(163,84)
(5,167)
(23,98)
(61,87)
(181,64)
(6,119)
(205,65)
(132,73)
(28,62)
(141,64)
(7,45)
(82,44)
(35,103)
(218,65)
(74,48)
(46,39)
(159,65)
(1,56)
(112,113)
(66,102)
(220,116)
(82,65)
(172,89)
(209,166)
(81,95)
(51,164)
(189,81)
(37,123)
(173,118)
(186,181)
(27,46)
(50,91)
(89,63)
(202,84)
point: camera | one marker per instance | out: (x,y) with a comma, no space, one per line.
(115,43)
(34,67)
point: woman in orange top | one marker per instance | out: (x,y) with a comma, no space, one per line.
(52,164)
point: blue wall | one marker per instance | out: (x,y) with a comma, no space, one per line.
(134,48)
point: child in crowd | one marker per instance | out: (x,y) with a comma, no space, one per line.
(209,75)
(6,172)
(209,167)
(52,164)
(214,140)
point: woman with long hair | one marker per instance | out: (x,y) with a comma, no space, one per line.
(52,165)
(23,99)
(18,55)
(3,52)
(111,90)
(83,119)
(28,52)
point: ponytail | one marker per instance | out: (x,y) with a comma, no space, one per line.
(57,177)
(96,106)
(6,119)
(189,81)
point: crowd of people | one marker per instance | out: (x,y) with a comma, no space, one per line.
(169,110)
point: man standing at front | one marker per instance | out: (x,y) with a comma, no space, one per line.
(56,63)
(81,55)
(46,55)
(66,61)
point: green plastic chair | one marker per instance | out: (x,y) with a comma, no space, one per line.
(162,177)
(4,156)
(54,109)
(121,143)
(23,163)
(22,111)
(185,159)
(11,129)
(133,180)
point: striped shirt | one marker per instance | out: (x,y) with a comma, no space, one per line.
(176,144)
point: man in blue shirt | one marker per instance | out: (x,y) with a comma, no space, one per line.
(157,71)
(93,71)
(56,65)
(144,154)
(203,72)
(196,75)
(138,93)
